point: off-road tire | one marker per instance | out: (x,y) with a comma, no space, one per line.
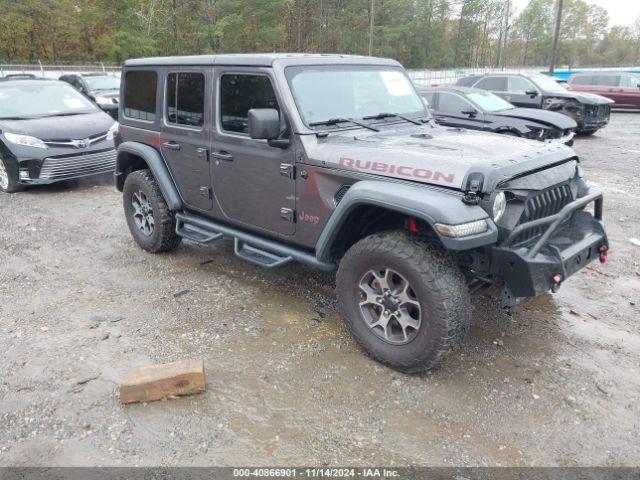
(440,289)
(164,237)
(12,176)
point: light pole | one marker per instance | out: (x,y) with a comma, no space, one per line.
(556,38)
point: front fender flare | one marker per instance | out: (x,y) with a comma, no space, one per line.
(156,164)
(428,204)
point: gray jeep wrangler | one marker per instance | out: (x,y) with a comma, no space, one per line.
(334,161)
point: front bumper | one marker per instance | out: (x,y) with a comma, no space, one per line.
(574,238)
(65,167)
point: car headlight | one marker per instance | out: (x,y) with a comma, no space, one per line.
(24,140)
(499,206)
(536,133)
(102,100)
(113,130)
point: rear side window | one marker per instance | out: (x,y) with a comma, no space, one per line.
(140,90)
(241,93)
(497,84)
(582,80)
(185,99)
(607,80)
(453,104)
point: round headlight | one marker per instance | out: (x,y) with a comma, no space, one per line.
(499,206)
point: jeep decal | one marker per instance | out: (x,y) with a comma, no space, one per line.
(403,170)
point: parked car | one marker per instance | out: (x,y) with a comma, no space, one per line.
(465,107)
(49,132)
(20,76)
(623,88)
(591,112)
(334,161)
(102,88)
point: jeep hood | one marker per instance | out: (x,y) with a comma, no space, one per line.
(432,154)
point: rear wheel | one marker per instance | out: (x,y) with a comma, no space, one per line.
(404,301)
(8,178)
(150,221)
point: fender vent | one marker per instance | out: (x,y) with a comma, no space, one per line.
(340,193)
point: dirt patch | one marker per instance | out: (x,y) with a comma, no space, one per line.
(558,383)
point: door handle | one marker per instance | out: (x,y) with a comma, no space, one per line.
(172,145)
(222,155)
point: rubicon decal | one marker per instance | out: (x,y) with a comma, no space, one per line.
(400,170)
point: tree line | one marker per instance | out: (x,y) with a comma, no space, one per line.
(418,33)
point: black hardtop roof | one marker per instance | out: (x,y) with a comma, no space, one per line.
(260,60)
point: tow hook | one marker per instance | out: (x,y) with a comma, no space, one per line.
(603,253)
(556,282)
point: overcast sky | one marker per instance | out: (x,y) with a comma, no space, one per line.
(621,12)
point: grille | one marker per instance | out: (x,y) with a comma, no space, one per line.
(341,193)
(72,166)
(543,204)
(599,112)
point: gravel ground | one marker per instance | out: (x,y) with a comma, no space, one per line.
(556,384)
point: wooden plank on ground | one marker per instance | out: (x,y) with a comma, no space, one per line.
(157,382)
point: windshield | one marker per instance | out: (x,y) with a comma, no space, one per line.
(41,99)
(489,102)
(103,83)
(323,93)
(547,83)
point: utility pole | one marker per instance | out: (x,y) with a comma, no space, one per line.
(556,38)
(371,15)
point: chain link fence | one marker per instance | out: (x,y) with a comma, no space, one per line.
(55,71)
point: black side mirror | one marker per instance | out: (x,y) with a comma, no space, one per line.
(532,93)
(472,112)
(264,124)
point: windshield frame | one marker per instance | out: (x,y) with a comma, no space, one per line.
(65,87)
(424,113)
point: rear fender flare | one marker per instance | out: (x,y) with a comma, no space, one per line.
(155,163)
(428,204)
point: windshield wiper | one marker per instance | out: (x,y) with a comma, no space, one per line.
(335,121)
(17,118)
(380,116)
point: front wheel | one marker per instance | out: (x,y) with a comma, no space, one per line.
(8,178)
(405,302)
(150,221)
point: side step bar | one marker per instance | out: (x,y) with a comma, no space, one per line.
(257,250)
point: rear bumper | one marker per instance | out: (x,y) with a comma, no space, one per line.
(573,239)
